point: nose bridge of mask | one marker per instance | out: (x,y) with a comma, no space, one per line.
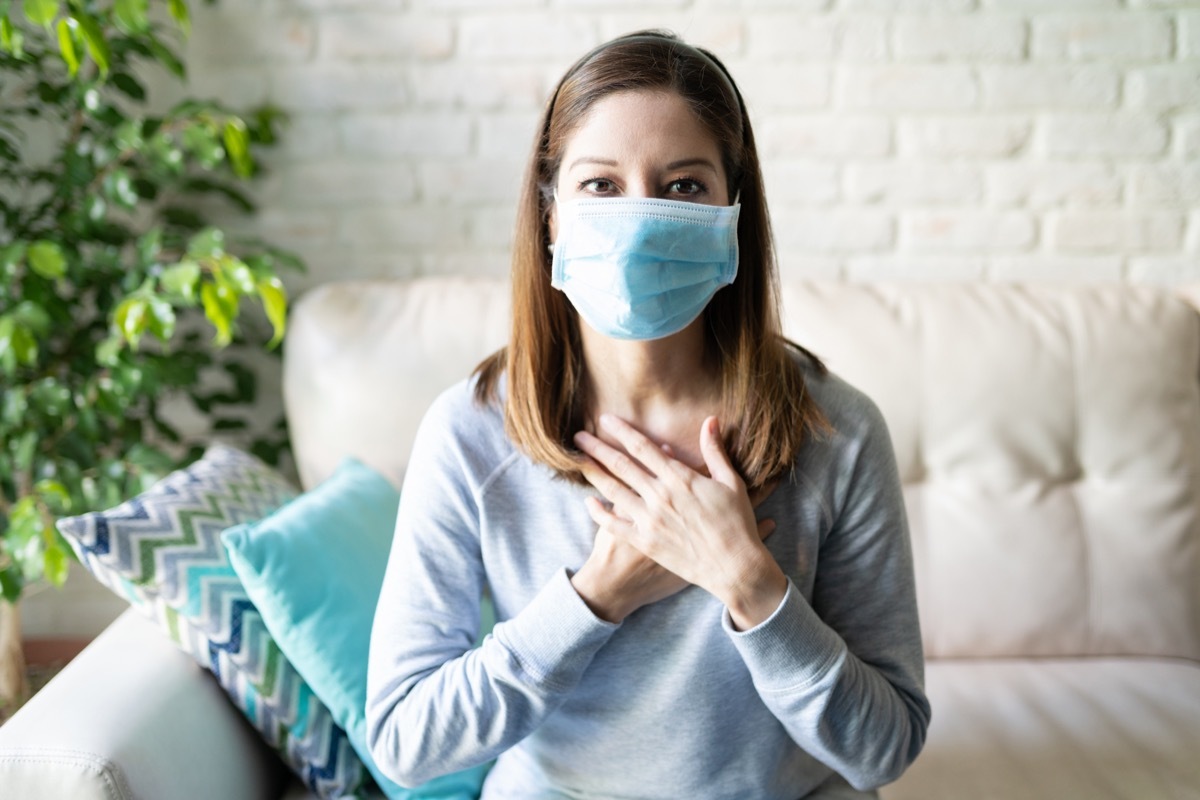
(662,230)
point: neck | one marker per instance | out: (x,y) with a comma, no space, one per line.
(639,381)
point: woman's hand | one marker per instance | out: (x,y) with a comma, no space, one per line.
(701,529)
(617,579)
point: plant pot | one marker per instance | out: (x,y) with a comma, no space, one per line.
(14,686)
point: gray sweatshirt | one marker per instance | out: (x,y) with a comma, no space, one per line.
(672,702)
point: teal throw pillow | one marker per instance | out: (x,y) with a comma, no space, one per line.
(314,569)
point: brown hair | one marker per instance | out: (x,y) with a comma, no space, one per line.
(766,413)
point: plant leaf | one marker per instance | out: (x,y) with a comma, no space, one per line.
(6,35)
(118,186)
(25,522)
(201,139)
(230,192)
(56,564)
(162,319)
(165,152)
(168,59)
(46,259)
(149,246)
(95,207)
(208,243)
(51,397)
(130,319)
(237,144)
(12,38)
(288,259)
(11,255)
(8,326)
(274,300)
(129,86)
(34,316)
(41,12)
(131,15)
(108,352)
(15,406)
(238,274)
(245,382)
(11,583)
(216,299)
(24,346)
(25,448)
(148,457)
(66,47)
(264,121)
(129,135)
(179,11)
(181,217)
(182,279)
(93,38)
(53,491)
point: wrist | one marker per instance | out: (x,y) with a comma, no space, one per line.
(755,592)
(603,603)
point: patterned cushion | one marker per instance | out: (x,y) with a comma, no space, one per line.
(162,551)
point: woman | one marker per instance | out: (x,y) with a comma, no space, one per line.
(694,536)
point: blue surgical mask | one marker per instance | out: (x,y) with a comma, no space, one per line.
(642,268)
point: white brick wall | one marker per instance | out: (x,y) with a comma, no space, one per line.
(1054,140)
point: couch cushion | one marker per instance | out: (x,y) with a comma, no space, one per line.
(1049,440)
(364,359)
(1058,729)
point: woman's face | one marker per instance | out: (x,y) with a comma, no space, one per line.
(642,144)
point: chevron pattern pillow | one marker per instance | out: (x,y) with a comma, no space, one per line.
(162,551)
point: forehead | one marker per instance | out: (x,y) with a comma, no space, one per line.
(640,124)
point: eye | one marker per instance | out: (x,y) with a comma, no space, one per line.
(688,187)
(597,186)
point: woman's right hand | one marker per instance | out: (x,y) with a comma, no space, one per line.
(617,579)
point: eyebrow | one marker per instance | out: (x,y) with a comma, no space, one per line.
(608,162)
(692,162)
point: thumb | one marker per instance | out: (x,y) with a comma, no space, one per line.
(715,458)
(765,528)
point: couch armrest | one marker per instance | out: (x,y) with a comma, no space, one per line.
(134,717)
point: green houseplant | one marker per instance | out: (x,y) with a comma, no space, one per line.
(111,281)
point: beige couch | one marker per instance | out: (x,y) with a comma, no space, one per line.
(1049,440)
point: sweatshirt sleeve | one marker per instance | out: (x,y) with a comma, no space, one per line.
(845,675)
(435,703)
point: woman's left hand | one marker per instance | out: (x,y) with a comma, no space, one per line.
(700,528)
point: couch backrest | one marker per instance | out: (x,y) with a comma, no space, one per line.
(1048,439)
